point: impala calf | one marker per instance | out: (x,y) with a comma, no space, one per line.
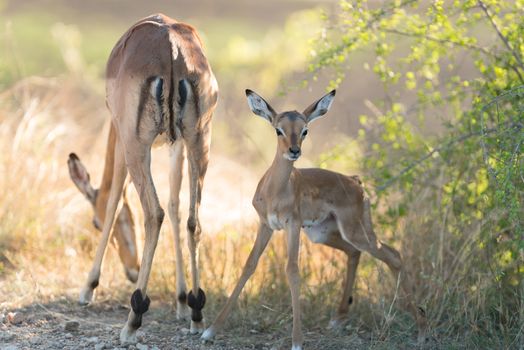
(124,234)
(331,208)
(160,89)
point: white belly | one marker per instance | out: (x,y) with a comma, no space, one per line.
(318,231)
(273,222)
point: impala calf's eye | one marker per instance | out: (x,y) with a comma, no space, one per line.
(304,133)
(279,132)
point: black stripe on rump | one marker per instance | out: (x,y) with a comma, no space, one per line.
(144,96)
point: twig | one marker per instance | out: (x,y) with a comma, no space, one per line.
(482,126)
(67,318)
(441,41)
(435,150)
(503,38)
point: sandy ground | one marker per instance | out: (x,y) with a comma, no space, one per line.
(64,324)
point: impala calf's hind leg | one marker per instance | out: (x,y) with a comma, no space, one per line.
(353,258)
(360,233)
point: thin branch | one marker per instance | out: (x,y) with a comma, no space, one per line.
(441,41)
(502,37)
(343,47)
(436,150)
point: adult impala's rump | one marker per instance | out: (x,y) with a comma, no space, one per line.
(331,208)
(160,88)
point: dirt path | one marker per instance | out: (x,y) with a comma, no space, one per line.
(66,325)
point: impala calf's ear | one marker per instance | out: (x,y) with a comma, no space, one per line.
(259,106)
(319,108)
(80,177)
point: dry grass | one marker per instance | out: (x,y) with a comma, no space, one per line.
(47,241)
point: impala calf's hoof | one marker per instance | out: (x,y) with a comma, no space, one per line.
(208,335)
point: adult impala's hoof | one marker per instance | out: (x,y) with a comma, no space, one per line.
(208,335)
(183,312)
(296,347)
(197,327)
(86,296)
(128,336)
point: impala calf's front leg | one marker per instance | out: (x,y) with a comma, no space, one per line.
(293,277)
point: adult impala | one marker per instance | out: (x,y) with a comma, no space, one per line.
(330,207)
(160,88)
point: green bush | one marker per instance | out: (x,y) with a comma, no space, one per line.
(455,194)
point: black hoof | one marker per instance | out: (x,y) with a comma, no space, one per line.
(196,304)
(140,305)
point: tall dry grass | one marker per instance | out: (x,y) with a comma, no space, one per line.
(47,240)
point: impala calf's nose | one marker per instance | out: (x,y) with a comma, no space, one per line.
(295,150)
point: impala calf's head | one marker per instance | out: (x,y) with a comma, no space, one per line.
(291,127)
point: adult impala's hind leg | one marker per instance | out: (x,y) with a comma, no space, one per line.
(198,156)
(176,156)
(119,176)
(353,258)
(138,160)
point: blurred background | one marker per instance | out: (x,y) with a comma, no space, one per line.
(428,111)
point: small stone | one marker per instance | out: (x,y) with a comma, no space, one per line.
(6,336)
(68,335)
(92,339)
(10,347)
(184,330)
(140,346)
(140,336)
(71,326)
(15,317)
(100,346)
